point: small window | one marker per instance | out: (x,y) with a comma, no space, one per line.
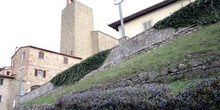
(40,73)
(147,25)
(23,56)
(71,52)
(0,98)
(41,55)
(1,81)
(65,60)
(8,72)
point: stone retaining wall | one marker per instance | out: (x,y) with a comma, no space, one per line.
(36,93)
(189,70)
(143,42)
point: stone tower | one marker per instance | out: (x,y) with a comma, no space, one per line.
(76,27)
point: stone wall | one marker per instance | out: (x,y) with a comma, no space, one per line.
(144,41)
(83,27)
(102,41)
(67,30)
(189,70)
(5,93)
(36,93)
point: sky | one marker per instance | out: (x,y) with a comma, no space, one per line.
(38,22)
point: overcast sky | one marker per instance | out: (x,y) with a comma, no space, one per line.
(38,22)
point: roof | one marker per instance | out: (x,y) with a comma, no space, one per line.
(46,51)
(5,68)
(2,68)
(6,76)
(143,12)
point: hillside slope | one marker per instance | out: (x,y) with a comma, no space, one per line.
(182,74)
(153,76)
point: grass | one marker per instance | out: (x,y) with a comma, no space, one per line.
(169,55)
(178,86)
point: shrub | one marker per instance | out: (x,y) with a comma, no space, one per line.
(201,12)
(78,71)
(201,95)
(127,98)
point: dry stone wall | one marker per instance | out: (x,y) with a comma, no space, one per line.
(147,80)
(144,41)
(36,93)
(192,69)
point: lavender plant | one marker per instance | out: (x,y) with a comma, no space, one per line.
(202,94)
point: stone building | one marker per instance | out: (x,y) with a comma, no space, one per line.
(37,66)
(146,18)
(78,37)
(5,70)
(5,82)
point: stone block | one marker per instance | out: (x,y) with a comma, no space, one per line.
(182,66)
(212,70)
(166,78)
(215,64)
(153,74)
(178,77)
(164,71)
(195,63)
(173,70)
(194,73)
(143,76)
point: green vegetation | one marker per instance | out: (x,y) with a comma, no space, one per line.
(201,12)
(205,41)
(78,71)
(177,86)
